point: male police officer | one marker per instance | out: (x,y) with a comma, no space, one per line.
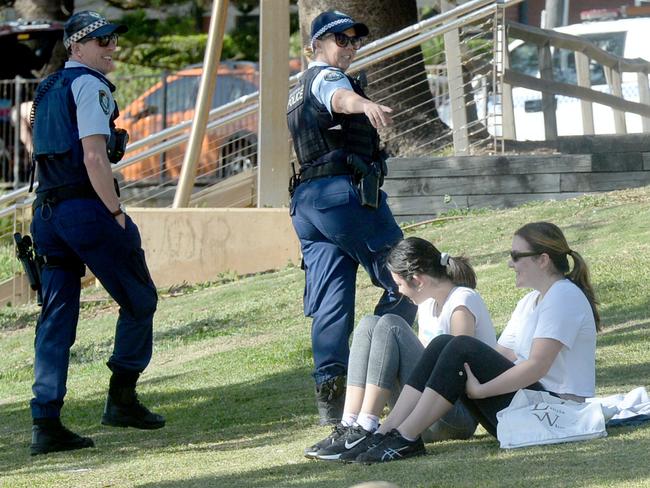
(78,220)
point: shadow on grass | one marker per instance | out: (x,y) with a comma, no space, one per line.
(575,464)
(637,333)
(625,374)
(237,416)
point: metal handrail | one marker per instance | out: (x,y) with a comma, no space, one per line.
(171,143)
(371,53)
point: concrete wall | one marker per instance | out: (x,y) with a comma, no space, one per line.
(197,244)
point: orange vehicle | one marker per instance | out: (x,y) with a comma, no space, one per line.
(226,150)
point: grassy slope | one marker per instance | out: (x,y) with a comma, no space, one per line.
(232,362)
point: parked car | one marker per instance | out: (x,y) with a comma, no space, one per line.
(625,37)
(227,150)
(223,149)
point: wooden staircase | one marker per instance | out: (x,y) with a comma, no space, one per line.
(422,188)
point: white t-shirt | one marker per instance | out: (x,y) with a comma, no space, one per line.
(327,82)
(431,325)
(94,102)
(564,314)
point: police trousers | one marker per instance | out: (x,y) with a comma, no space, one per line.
(84,230)
(337,235)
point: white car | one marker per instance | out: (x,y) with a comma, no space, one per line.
(625,37)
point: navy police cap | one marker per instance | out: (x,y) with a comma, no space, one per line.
(335,21)
(88,24)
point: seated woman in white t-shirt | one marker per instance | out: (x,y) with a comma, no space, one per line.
(385,350)
(549,344)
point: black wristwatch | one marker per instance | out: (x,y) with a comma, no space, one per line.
(119,211)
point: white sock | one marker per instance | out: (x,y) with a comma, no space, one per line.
(349,419)
(368,422)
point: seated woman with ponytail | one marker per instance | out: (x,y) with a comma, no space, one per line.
(549,344)
(385,350)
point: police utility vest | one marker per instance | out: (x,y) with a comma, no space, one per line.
(57,149)
(310,126)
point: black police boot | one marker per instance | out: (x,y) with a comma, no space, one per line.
(49,435)
(330,397)
(123,409)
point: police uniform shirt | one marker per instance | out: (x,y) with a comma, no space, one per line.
(94,102)
(327,82)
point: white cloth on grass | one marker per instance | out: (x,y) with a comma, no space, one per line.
(624,406)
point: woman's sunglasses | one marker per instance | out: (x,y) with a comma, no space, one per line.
(343,40)
(104,41)
(516,256)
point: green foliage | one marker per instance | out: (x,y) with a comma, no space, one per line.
(175,42)
(167,52)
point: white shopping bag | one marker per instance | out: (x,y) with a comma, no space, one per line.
(537,417)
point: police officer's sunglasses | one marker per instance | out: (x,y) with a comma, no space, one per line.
(343,40)
(516,256)
(104,41)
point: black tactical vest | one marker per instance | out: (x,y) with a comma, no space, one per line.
(310,123)
(57,148)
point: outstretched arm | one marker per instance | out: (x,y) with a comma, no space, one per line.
(348,102)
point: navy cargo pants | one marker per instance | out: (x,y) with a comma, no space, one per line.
(84,230)
(336,235)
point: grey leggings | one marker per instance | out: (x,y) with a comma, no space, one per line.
(384,353)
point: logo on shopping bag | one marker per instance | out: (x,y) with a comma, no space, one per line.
(543,407)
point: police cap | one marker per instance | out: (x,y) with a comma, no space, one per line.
(88,24)
(333,21)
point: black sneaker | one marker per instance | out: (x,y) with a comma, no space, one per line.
(370,441)
(49,435)
(392,448)
(352,438)
(338,431)
(129,412)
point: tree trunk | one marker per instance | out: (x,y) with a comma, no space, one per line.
(401,79)
(58,10)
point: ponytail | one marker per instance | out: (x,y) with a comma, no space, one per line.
(460,272)
(580,276)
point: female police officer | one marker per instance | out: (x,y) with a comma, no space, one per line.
(78,220)
(338,212)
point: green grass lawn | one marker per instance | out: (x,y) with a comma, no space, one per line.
(232,362)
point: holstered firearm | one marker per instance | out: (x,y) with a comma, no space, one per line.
(32,263)
(369,177)
(294,181)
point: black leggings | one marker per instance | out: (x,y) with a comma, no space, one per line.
(441,369)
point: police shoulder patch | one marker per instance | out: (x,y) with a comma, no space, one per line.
(334,76)
(103,101)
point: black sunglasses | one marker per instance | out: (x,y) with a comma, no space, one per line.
(103,41)
(516,256)
(343,40)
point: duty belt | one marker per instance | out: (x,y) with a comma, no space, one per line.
(334,168)
(57,195)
